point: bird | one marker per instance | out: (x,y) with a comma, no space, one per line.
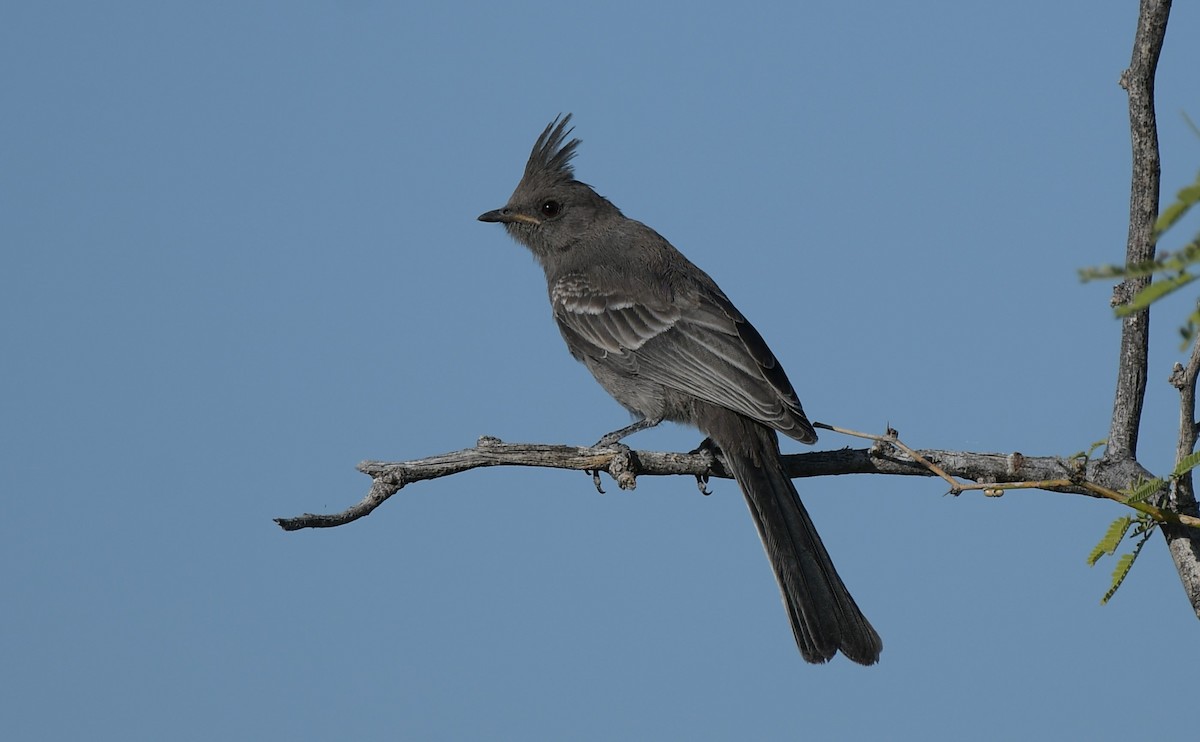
(665,342)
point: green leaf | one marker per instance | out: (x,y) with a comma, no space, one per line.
(1186,464)
(1120,572)
(1180,259)
(1188,331)
(1118,271)
(1154,292)
(1111,540)
(1166,262)
(1145,489)
(1125,563)
(1187,197)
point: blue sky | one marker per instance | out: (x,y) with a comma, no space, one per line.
(240,255)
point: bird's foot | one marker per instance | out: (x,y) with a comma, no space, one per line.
(706,446)
(622,467)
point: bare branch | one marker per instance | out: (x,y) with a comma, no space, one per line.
(1182,542)
(1068,475)
(1138,81)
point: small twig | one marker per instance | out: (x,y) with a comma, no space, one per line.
(893,438)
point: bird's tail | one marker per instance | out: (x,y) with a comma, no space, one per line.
(825,619)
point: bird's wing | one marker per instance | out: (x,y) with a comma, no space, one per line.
(699,345)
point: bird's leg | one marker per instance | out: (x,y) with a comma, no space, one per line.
(636,427)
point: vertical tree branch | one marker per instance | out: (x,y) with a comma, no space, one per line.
(1138,81)
(1184,379)
(1183,543)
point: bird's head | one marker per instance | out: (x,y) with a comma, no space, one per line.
(550,211)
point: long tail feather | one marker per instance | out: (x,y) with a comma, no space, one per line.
(825,619)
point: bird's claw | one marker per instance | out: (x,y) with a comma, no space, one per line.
(622,467)
(706,446)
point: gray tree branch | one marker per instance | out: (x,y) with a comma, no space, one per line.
(1183,543)
(625,464)
(1138,81)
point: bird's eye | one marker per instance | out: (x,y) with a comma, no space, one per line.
(551,208)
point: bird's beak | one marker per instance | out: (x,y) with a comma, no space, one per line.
(507,216)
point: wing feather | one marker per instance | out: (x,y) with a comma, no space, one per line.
(703,347)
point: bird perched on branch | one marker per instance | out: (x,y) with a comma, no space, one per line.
(663,339)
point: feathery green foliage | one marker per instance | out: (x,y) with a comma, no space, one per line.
(1143,524)
(1144,488)
(1186,464)
(1143,527)
(1155,291)
(1187,197)
(1111,539)
(1120,572)
(1125,562)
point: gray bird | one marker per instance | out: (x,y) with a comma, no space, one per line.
(663,339)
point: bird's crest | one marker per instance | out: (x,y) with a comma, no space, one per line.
(550,159)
